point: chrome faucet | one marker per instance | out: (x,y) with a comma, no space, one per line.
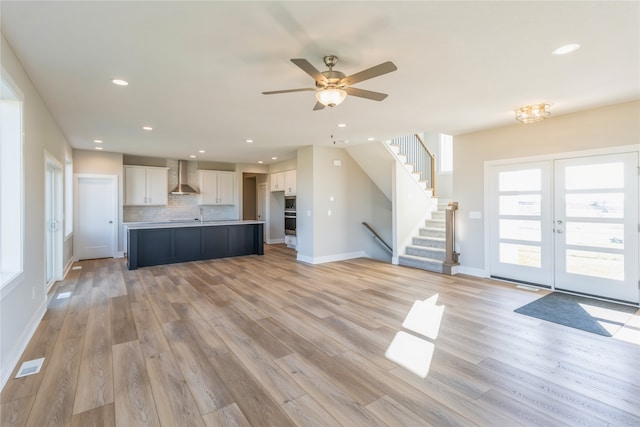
(201,216)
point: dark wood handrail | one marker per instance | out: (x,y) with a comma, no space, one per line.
(377,237)
(433,163)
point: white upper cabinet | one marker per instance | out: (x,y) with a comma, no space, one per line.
(290,183)
(284,181)
(277,181)
(145,186)
(216,187)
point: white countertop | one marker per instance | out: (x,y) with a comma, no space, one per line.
(186,223)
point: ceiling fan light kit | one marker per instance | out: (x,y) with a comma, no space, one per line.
(331,97)
(532,113)
(332,87)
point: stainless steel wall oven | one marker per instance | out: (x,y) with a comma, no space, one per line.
(290,216)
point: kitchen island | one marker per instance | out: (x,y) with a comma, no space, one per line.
(171,242)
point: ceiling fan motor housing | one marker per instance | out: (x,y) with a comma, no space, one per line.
(333,79)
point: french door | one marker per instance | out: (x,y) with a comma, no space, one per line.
(569,224)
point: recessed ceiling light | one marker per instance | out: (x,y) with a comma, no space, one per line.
(274,158)
(260,161)
(98,141)
(201,151)
(193,156)
(249,141)
(147,128)
(371,138)
(568,48)
(98,148)
(120,82)
(342,125)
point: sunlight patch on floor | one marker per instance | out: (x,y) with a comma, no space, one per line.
(410,351)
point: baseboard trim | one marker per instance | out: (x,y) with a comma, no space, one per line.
(470,271)
(275,241)
(332,258)
(29,331)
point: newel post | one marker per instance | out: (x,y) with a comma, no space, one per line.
(451,255)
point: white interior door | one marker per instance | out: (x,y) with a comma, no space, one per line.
(569,224)
(96,217)
(596,220)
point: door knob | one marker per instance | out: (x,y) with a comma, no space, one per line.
(110,222)
(559,231)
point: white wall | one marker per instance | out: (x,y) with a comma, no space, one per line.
(22,308)
(333,201)
(610,126)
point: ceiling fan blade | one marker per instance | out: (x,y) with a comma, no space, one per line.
(369,73)
(318,106)
(306,66)
(376,96)
(289,90)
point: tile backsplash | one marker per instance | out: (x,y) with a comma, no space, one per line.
(179,207)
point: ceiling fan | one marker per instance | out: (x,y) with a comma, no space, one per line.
(332,87)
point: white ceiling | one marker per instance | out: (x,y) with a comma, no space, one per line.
(197,69)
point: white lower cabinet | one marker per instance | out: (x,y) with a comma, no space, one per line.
(216,187)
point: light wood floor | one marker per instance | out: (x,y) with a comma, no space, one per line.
(267,341)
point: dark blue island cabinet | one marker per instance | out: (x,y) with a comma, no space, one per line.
(167,244)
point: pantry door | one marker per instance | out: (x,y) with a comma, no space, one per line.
(596,226)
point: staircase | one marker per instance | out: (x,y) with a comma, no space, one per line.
(427,250)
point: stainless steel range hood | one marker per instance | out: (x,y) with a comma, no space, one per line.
(183,173)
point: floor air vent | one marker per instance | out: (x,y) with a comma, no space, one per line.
(30,367)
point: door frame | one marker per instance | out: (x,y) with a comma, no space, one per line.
(51,163)
(540,158)
(114,186)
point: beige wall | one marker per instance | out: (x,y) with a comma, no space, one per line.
(610,126)
(22,308)
(103,163)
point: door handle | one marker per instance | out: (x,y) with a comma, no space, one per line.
(559,231)
(110,222)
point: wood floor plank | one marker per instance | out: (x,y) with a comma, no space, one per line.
(103,416)
(208,390)
(123,326)
(149,331)
(229,416)
(53,404)
(95,379)
(15,412)
(256,404)
(307,412)
(339,404)
(393,414)
(269,341)
(173,399)
(134,404)
(259,362)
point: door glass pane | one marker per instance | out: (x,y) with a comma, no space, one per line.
(522,180)
(591,177)
(595,205)
(521,204)
(597,264)
(595,234)
(525,255)
(520,230)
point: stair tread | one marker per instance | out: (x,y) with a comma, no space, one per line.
(421,258)
(426,247)
(437,239)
